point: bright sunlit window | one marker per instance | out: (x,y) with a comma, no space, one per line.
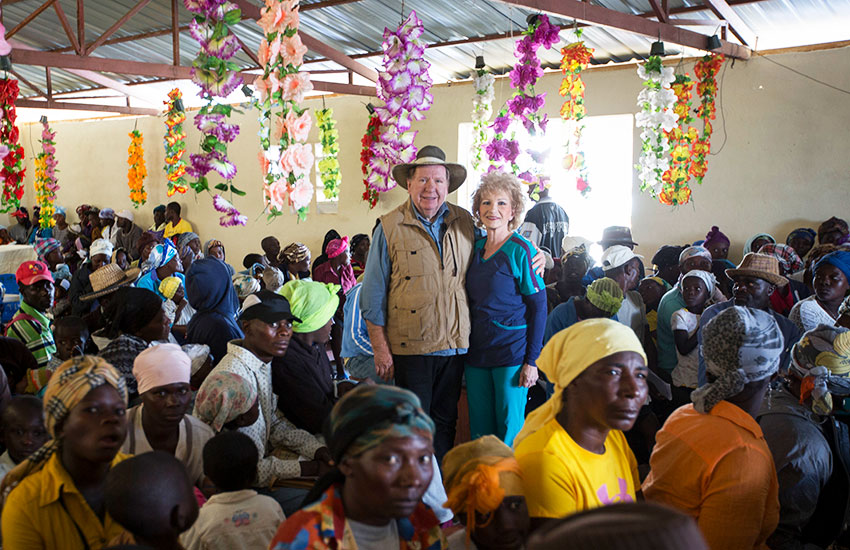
(324,205)
(608,149)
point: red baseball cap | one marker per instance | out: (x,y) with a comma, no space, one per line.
(32,272)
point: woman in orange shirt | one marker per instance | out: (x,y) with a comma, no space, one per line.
(710,458)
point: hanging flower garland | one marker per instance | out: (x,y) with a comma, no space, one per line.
(482,110)
(286,159)
(681,138)
(137,172)
(231,216)
(46,183)
(329,165)
(404,87)
(706,71)
(217,76)
(373,133)
(656,117)
(175,144)
(11,152)
(525,105)
(576,58)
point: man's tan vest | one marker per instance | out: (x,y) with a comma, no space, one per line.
(427,309)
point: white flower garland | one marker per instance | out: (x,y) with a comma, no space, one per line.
(482,110)
(656,117)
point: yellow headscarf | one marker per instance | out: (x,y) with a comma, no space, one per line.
(569,353)
(478,475)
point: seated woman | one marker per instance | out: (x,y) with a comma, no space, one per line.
(144,247)
(831,284)
(303,379)
(381,442)
(710,458)
(189,249)
(58,497)
(651,290)
(717,243)
(359,252)
(805,443)
(507,304)
(100,253)
(296,261)
(602,301)
(161,263)
(757,241)
(484,485)
(160,422)
(784,297)
(211,293)
(575,261)
(214,248)
(572,450)
(137,319)
(801,240)
(226,400)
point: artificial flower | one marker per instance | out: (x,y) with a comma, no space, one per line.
(482,110)
(175,145)
(137,171)
(12,173)
(298,127)
(373,129)
(656,117)
(329,165)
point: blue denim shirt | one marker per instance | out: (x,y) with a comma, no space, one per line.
(376,276)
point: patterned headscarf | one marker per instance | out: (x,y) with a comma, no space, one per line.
(313,302)
(183,241)
(478,475)
(692,251)
(43,247)
(789,261)
(821,359)
(832,224)
(160,255)
(575,246)
(664,284)
(223,397)
(740,345)
(69,385)
(568,354)
(749,246)
(245,285)
(605,294)
(273,278)
(705,276)
(802,233)
(296,252)
(212,243)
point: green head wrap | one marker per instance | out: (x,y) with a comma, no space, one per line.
(605,294)
(314,303)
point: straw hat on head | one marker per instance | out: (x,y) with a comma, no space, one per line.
(430,155)
(108,279)
(761,266)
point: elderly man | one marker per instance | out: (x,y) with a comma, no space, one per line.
(128,234)
(413,296)
(754,280)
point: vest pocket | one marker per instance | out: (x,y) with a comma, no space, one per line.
(413,258)
(412,308)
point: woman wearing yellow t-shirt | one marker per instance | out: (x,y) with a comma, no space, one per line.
(572,450)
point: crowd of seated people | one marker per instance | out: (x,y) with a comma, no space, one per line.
(152,396)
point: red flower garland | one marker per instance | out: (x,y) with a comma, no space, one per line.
(13,171)
(706,70)
(373,132)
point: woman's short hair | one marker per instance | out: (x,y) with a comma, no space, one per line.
(493,182)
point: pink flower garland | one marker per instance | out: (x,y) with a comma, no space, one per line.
(46,183)
(286,159)
(404,87)
(524,105)
(217,76)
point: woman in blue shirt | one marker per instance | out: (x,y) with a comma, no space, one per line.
(507,303)
(161,263)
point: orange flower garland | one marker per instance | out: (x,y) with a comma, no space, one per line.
(675,190)
(175,144)
(576,57)
(706,70)
(137,173)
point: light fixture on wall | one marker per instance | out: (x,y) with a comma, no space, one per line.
(370,108)
(43,119)
(479,62)
(713,43)
(247,91)
(657,48)
(5,63)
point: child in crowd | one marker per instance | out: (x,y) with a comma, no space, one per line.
(71,336)
(237,517)
(652,289)
(23,431)
(697,287)
(151,496)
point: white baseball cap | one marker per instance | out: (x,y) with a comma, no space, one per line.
(616,256)
(126,214)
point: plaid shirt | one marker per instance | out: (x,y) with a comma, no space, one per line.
(34,332)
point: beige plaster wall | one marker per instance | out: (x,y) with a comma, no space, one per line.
(784,162)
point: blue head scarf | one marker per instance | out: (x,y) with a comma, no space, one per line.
(160,255)
(839,258)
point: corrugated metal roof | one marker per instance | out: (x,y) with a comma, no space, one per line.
(356,28)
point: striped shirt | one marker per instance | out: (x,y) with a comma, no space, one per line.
(34,333)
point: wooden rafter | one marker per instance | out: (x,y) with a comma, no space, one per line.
(68,105)
(723,10)
(115,26)
(325,4)
(63,19)
(659,10)
(35,13)
(81,22)
(249,52)
(28,83)
(129,38)
(598,15)
(251,11)
(175,33)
